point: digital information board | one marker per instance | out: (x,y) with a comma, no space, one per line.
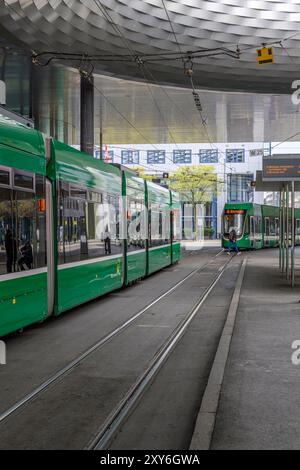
(281,168)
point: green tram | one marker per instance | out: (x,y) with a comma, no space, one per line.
(73,228)
(257,226)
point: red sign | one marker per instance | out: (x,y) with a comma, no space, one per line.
(41,205)
(106,158)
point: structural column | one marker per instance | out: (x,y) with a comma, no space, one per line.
(283,251)
(36,78)
(101,127)
(287,232)
(280,229)
(293,237)
(87,114)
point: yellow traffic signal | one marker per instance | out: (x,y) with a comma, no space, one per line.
(265,55)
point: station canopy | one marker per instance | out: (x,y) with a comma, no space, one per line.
(153,102)
(162,33)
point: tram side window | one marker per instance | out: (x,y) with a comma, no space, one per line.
(8,245)
(159,224)
(246,226)
(22,224)
(257,222)
(88,224)
(136,224)
(103,225)
(4,177)
(272,226)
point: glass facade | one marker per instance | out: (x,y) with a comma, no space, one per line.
(182,156)
(199,222)
(15,71)
(129,157)
(235,155)
(239,187)
(156,157)
(208,156)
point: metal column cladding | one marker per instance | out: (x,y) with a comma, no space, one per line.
(87,114)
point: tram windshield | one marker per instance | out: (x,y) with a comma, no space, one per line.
(234,221)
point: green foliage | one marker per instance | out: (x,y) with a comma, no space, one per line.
(141,172)
(196,184)
(208,231)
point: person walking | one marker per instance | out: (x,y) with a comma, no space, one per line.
(107,245)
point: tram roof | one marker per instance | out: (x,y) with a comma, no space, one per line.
(19,136)
(83,169)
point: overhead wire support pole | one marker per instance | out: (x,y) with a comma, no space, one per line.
(101,126)
(287,232)
(293,236)
(86,112)
(283,229)
(280,229)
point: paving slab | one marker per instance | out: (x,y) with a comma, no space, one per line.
(259,402)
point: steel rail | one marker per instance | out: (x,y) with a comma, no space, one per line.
(113,423)
(71,365)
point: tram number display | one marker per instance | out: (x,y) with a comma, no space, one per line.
(234,211)
(281,169)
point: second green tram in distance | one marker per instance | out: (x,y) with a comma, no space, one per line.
(256,226)
(73,228)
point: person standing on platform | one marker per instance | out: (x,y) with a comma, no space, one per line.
(232,242)
(107,245)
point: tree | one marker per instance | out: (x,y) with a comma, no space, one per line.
(141,173)
(196,184)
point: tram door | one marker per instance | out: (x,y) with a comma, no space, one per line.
(252,231)
(267,231)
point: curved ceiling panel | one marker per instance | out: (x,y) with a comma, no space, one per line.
(139,27)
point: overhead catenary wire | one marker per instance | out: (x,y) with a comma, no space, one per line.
(286,140)
(118,57)
(139,64)
(177,107)
(171,24)
(157,106)
(121,114)
(116,28)
(195,94)
(180,51)
(133,53)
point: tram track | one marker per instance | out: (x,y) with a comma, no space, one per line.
(119,415)
(17,406)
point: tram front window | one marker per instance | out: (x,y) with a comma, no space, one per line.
(234,222)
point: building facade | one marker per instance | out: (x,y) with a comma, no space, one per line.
(234,163)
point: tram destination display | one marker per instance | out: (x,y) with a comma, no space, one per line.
(281,168)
